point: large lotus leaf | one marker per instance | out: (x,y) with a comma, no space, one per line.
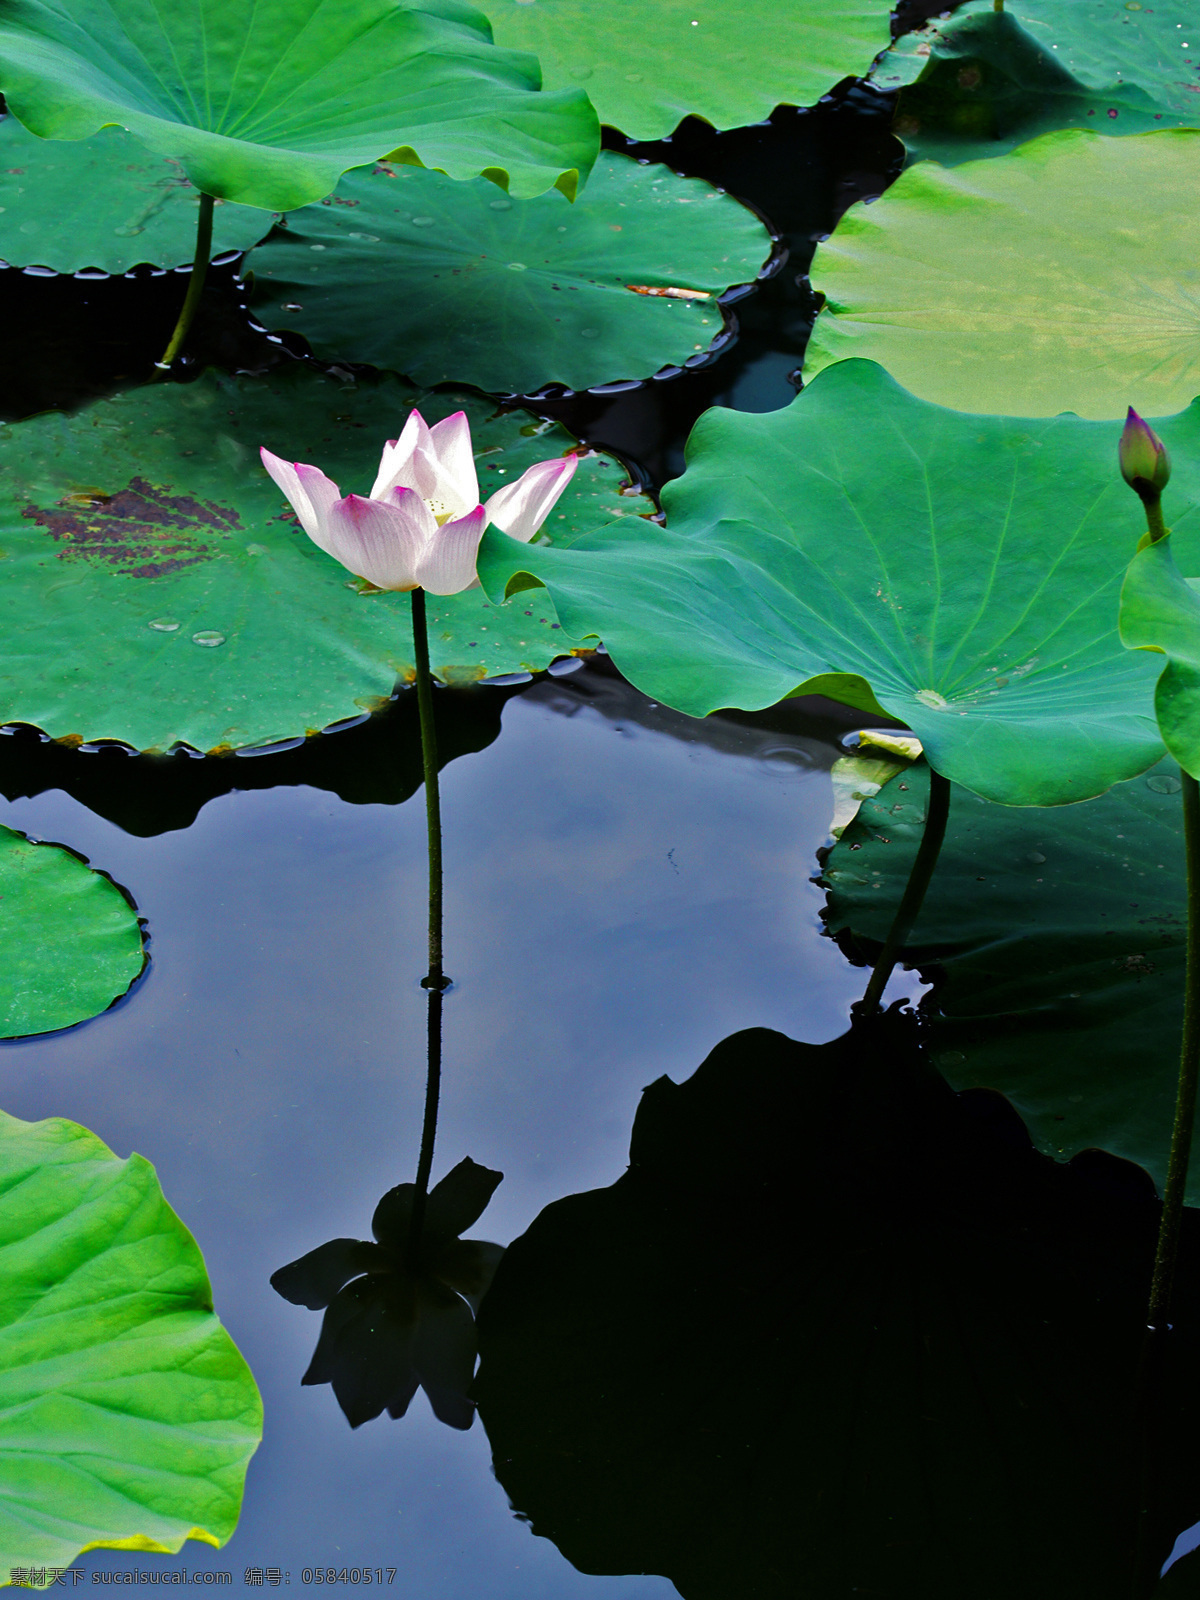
(989,80)
(1060,939)
(838,1332)
(728,61)
(268,102)
(958,573)
(158,589)
(127,1415)
(453,281)
(1064,276)
(72,943)
(1160,612)
(104,202)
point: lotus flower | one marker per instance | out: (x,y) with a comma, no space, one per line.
(1143,458)
(421,525)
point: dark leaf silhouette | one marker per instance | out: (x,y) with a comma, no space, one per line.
(393,1324)
(841,1331)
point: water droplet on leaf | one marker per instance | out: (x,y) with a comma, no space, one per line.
(164,625)
(208,637)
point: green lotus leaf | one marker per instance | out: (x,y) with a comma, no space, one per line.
(958,573)
(1063,276)
(987,80)
(72,941)
(1160,612)
(127,1415)
(157,587)
(443,280)
(104,202)
(267,103)
(730,61)
(1059,937)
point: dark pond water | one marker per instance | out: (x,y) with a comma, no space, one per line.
(676,1374)
(625,889)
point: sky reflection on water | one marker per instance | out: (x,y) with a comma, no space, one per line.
(618,901)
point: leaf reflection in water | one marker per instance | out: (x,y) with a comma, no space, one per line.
(839,1330)
(392,1324)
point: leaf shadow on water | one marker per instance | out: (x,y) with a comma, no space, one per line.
(840,1330)
(376,761)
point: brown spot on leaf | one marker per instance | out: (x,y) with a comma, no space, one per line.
(142,531)
(1136,964)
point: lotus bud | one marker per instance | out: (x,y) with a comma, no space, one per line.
(1145,465)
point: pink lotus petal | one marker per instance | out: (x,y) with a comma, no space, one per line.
(448,563)
(377,540)
(457,484)
(322,494)
(300,483)
(520,508)
(396,456)
(415,512)
(412,464)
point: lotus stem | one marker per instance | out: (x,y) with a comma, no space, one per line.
(936,812)
(1158,1316)
(434,980)
(195,288)
(1155,525)
(997,5)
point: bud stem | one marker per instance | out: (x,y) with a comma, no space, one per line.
(1189,1069)
(1154,517)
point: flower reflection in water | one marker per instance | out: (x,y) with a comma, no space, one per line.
(397,1317)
